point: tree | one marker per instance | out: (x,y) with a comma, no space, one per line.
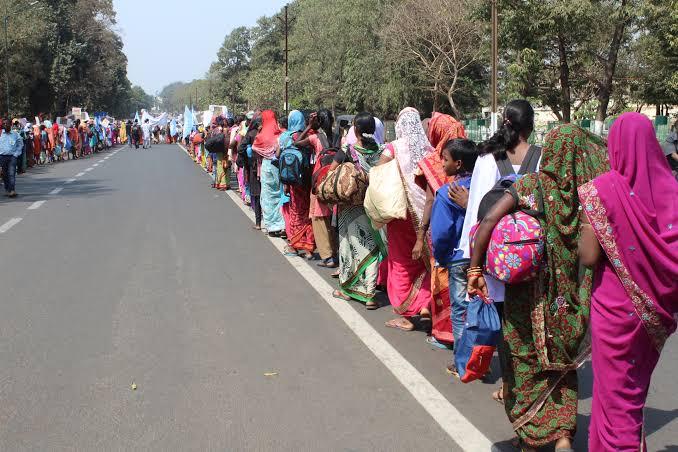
(440,39)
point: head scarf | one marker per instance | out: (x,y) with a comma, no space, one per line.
(633,211)
(266,142)
(409,148)
(570,158)
(410,136)
(378,131)
(441,129)
(295,121)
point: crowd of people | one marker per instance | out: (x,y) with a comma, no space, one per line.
(24,144)
(606,209)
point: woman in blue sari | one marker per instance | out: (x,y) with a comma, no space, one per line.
(265,146)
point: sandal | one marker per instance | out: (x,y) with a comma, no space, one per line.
(371,305)
(256,228)
(452,370)
(400,323)
(341,295)
(430,340)
(336,275)
(328,263)
(290,252)
(498,395)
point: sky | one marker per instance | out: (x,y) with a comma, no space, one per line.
(158,35)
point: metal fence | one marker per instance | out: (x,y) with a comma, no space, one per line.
(479,129)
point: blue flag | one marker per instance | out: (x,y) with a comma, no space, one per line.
(173,127)
(188,122)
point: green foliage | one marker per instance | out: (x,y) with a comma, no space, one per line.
(65,53)
(580,58)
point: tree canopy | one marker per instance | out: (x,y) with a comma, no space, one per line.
(65,53)
(574,57)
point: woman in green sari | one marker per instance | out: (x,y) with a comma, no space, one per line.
(361,247)
(545,320)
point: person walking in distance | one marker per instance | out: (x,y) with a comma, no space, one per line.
(146,128)
(11,147)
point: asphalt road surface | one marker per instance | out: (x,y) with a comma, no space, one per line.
(135,272)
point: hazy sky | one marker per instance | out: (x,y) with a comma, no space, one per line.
(158,34)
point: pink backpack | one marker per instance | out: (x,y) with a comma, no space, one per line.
(516,250)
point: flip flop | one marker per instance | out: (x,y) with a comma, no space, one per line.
(397,324)
(371,305)
(335,275)
(340,295)
(430,340)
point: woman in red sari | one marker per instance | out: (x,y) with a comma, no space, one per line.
(298,224)
(430,176)
(409,276)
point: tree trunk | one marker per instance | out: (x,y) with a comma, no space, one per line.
(450,99)
(610,64)
(435,96)
(565,100)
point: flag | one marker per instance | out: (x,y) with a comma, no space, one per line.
(188,122)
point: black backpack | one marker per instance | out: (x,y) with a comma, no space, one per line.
(508,178)
(215,143)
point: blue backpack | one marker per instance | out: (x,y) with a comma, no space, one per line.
(482,330)
(292,164)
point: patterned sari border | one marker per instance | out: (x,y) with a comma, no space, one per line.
(643,304)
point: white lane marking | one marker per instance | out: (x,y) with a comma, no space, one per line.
(80,174)
(69,181)
(36,205)
(95,165)
(450,419)
(56,191)
(89,169)
(7,226)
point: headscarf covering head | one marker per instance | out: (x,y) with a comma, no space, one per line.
(443,128)
(266,142)
(410,135)
(295,121)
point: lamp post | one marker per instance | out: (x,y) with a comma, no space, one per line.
(5,26)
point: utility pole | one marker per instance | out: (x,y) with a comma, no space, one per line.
(287,78)
(6,18)
(493,100)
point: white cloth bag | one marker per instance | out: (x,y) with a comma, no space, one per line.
(385,199)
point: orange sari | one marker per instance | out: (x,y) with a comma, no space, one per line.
(442,128)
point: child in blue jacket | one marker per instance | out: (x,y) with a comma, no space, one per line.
(447,222)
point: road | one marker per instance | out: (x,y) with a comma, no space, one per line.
(135,272)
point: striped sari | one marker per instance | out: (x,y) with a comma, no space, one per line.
(361,247)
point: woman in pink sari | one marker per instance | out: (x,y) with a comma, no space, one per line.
(409,279)
(631,213)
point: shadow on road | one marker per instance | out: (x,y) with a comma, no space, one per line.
(38,189)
